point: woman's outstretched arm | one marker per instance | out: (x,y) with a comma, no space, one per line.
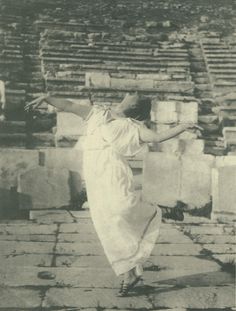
(61,104)
(149,136)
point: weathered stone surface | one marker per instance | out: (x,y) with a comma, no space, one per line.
(164,112)
(43,188)
(229,134)
(177,249)
(174,112)
(30,228)
(183,263)
(22,260)
(225,258)
(82,249)
(71,159)
(77,237)
(71,277)
(69,124)
(207,229)
(82,261)
(203,298)
(50,216)
(175,236)
(19,298)
(220,248)
(84,226)
(12,163)
(103,298)
(29,238)
(181,146)
(161,178)
(196,180)
(13,247)
(97,79)
(223,189)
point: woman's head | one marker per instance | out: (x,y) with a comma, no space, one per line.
(136,107)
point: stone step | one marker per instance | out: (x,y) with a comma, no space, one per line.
(115,51)
(223,66)
(13,140)
(122,68)
(101,56)
(12,127)
(141,46)
(230,61)
(138,64)
(227,71)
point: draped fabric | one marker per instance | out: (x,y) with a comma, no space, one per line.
(126,226)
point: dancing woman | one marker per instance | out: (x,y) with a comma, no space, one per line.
(126,226)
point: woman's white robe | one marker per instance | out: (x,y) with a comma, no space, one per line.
(126,226)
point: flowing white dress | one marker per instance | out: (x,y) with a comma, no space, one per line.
(126,226)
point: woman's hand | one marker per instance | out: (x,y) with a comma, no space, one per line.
(35,103)
(194,128)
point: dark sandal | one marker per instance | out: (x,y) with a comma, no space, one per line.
(121,286)
(126,287)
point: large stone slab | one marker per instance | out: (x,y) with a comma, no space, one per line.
(19,298)
(225,161)
(196,180)
(82,261)
(43,188)
(71,159)
(220,248)
(12,163)
(69,277)
(22,260)
(223,190)
(51,216)
(20,247)
(97,79)
(161,178)
(203,298)
(29,228)
(177,249)
(212,239)
(70,124)
(82,249)
(104,298)
(174,112)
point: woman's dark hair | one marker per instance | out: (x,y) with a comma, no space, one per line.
(140,110)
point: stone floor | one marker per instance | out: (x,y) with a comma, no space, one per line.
(188,270)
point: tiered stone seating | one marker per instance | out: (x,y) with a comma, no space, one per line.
(68,59)
(221,63)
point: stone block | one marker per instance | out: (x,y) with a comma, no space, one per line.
(97,79)
(229,134)
(191,146)
(131,84)
(164,112)
(70,124)
(12,163)
(43,188)
(161,178)
(188,112)
(13,298)
(68,158)
(225,161)
(223,190)
(196,180)
(154,76)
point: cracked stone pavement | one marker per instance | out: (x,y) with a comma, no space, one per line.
(187,269)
